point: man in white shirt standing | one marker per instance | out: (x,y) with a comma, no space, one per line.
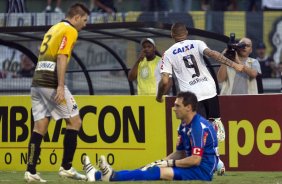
(185,59)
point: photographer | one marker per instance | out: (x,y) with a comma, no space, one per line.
(244,82)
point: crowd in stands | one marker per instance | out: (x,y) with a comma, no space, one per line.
(269,68)
(109,6)
(57,8)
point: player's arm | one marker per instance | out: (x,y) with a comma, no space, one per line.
(170,83)
(163,86)
(132,74)
(178,154)
(67,43)
(198,134)
(193,160)
(223,60)
(197,149)
(190,161)
(179,158)
(166,74)
(61,70)
(222,73)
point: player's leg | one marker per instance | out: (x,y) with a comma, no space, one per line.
(107,173)
(156,173)
(39,130)
(153,173)
(192,173)
(70,143)
(209,109)
(41,118)
(220,168)
(201,109)
(214,117)
(91,173)
(70,112)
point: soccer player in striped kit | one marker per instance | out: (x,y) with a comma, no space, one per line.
(51,97)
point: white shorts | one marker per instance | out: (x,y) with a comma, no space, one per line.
(44,105)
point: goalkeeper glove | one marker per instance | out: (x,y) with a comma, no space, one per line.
(165,163)
(150,165)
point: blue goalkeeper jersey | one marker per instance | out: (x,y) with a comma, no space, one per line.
(198,138)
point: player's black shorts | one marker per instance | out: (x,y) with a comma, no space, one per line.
(209,108)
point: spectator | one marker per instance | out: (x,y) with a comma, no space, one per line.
(272,5)
(234,82)
(195,157)
(3,74)
(223,5)
(253,5)
(104,6)
(182,5)
(26,67)
(267,63)
(279,69)
(57,9)
(16,6)
(146,70)
(154,5)
(204,5)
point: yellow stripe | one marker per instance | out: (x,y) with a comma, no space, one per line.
(235,22)
(132,16)
(199,19)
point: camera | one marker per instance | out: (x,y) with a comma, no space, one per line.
(232,47)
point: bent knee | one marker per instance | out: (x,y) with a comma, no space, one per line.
(167,173)
(74,122)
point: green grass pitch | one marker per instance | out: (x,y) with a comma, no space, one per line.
(229,178)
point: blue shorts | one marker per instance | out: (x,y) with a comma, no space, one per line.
(192,173)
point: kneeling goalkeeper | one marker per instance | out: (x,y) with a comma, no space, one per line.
(196,156)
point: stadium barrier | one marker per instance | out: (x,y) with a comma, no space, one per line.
(135,130)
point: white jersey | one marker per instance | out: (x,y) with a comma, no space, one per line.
(185,58)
